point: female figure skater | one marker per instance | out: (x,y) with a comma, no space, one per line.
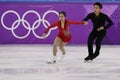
(64,35)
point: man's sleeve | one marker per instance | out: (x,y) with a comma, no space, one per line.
(110,23)
(87,17)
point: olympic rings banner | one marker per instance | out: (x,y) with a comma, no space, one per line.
(24,23)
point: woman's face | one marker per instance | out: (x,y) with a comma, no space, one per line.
(62,17)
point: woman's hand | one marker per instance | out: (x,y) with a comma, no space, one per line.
(85,23)
(44,35)
(66,32)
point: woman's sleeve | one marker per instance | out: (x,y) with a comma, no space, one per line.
(75,22)
(51,26)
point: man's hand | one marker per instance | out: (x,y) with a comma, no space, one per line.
(85,23)
(101,28)
(44,35)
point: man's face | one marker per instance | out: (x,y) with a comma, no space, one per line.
(96,9)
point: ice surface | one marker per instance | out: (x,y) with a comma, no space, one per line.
(28,62)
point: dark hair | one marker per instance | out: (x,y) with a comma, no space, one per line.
(63,12)
(98,4)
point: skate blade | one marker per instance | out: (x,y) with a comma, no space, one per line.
(51,62)
(88,61)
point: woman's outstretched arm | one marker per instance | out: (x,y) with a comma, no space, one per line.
(75,22)
(51,26)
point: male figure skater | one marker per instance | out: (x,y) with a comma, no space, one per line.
(99,30)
